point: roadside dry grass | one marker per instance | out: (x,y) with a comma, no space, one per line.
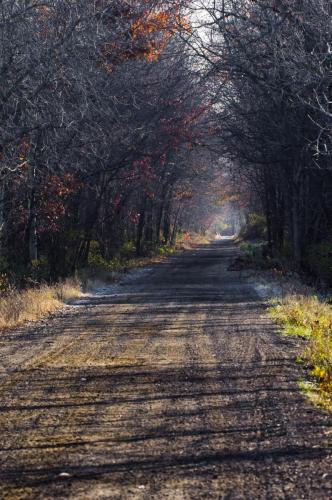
(101,271)
(18,307)
(310,318)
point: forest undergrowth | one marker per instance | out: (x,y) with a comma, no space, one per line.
(301,309)
(32,303)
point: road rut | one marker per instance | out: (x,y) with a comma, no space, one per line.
(174,385)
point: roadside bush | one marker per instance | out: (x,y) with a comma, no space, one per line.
(319,260)
(254,251)
(97,262)
(38,271)
(255,228)
(166,250)
(4,283)
(128,249)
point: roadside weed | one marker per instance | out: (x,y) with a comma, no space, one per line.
(310,318)
(18,307)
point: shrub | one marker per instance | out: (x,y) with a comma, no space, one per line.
(38,271)
(128,249)
(166,250)
(253,251)
(255,227)
(319,260)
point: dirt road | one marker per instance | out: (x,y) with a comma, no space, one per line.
(174,386)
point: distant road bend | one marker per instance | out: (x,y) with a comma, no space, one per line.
(176,385)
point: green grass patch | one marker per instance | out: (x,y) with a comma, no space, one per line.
(310,318)
(315,394)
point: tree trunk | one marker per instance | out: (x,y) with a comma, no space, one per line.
(2,215)
(32,225)
(167,222)
(175,225)
(140,231)
(159,221)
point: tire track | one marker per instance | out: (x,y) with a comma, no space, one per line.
(176,386)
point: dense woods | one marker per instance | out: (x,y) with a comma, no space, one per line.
(125,122)
(273,62)
(102,116)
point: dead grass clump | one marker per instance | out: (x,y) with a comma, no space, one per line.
(311,318)
(68,290)
(18,307)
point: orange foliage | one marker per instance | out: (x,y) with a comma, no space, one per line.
(153,31)
(146,37)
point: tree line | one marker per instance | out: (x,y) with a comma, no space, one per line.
(124,122)
(102,118)
(270,62)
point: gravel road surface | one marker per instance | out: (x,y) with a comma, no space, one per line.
(172,385)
